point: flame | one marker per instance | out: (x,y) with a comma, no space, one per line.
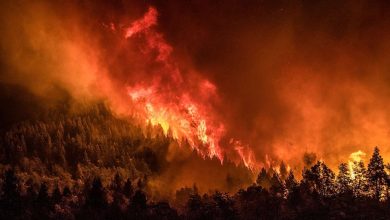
(182,116)
(149,20)
(181,107)
(246,155)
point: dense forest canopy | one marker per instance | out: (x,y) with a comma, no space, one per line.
(71,141)
(76,160)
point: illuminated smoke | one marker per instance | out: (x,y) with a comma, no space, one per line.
(167,100)
(279,80)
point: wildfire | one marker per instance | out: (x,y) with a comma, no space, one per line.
(247,157)
(182,107)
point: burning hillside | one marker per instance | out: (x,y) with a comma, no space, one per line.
(110,107)
(181,106)
(249,85)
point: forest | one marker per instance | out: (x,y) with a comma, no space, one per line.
(93,165)
(194,110)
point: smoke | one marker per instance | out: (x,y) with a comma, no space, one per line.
(294,76)
(290,77)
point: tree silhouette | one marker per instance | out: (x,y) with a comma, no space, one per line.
(10,203)
(344,181)
(128,189)
(291,182)
(78,146)
(66,192)
(263,179)
(283,171)
(138,205)
(360,182)
(277,186)
(96,197)
(225,206)
(56,195)
(42,203)
(117,183)
(320,179)
(376,173)
(193,207)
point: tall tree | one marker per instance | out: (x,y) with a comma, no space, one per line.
(117,183)
(291,182)
(320,178)
(344,181)
(42,203)
(128,188)
(359,186)
(263,179)
(56,195)
(283,171)
(376,173)
(96,197)
(10,201)
(277,188)
(138,206)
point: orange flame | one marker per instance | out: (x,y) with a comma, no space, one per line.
(182,110)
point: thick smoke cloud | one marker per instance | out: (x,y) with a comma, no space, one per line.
(292,76)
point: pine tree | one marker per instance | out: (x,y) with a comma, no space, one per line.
(387,180)
(128,189)
(96,196)
(376,173)
(343,181)
(10,200)
(56,195)
(42,203)
(283,171)
(328,181)
(117,183)
(138,206)
(291,182)
(263,179)
(66,192)
(360,187)
(277,186)
(10,185)
(320,179)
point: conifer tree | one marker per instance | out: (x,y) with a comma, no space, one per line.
(376,173)
(10,200)
(263,179)
(320,178)
(343,181)
(128,189)
(277,186)
(360,187)
(96,196)
(291,182)
(283,171)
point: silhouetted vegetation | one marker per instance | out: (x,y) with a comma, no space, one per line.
(92,165)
